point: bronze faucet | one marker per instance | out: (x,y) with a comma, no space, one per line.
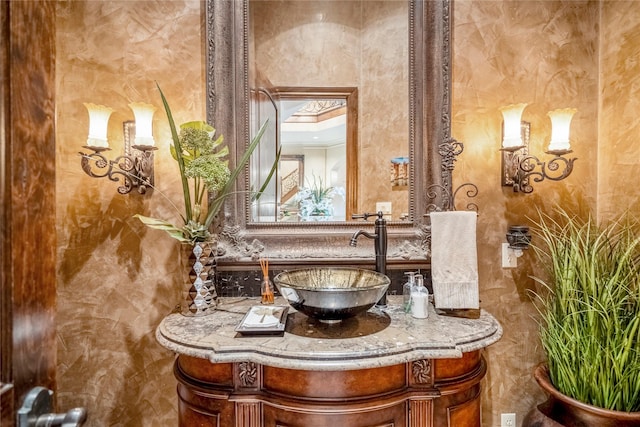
(380,245)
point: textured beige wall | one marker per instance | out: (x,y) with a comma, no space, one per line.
(619,147)
(544,53)
(384,100)
(114,275)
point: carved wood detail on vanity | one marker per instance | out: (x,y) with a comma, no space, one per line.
(248,414)
(423,393)
(421,372)
(247,375)
(421,412)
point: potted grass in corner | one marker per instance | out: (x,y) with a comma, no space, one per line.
(590,322)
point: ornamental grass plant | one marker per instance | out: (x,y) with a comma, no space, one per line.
(590,308)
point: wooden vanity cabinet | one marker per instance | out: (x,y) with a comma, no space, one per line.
(422,393)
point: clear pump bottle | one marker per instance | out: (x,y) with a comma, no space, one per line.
(406,291)
(420,299)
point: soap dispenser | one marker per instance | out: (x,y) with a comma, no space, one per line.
(407,288)
(419,299)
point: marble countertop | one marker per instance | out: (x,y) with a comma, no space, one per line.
(376,338)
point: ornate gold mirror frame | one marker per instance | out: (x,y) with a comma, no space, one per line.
(432,151)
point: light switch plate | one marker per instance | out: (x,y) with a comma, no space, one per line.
(384,207)
(509,257)
(508,420)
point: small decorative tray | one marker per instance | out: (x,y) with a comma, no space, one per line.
(264,320)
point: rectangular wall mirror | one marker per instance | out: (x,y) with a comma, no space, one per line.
(391,57)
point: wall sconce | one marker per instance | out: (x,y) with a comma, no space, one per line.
(518,165)
(135,166)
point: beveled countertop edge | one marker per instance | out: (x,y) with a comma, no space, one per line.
(358,361)
(274,351)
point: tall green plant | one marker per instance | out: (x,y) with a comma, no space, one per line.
(590,309)
(203,170)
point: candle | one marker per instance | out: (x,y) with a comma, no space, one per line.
(560,126)
(144,123)
(98,121)
(512,132)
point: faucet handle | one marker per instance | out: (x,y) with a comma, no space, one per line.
(366,215)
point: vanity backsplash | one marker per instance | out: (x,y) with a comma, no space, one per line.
(247,283)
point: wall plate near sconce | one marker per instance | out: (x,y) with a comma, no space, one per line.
(518,166)
(135,167)
(518,239)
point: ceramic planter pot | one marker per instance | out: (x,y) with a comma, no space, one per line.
(562,411)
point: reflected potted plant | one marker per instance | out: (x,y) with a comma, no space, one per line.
(590,322)
(206,183)
(315,202)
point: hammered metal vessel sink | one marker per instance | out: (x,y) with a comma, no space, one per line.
(331,294)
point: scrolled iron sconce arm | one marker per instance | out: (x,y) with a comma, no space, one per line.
(552,165)
(134,171)
(526,167)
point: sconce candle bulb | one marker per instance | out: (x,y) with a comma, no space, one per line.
(512,133)
(98,121)
(144,123)
(560,127)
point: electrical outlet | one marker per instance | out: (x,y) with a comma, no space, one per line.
(507,420)
(384,207)
(509,257)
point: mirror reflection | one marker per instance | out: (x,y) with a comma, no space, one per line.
(316,135)
(315,68)
(313,138)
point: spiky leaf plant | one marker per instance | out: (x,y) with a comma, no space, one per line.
(203,170)
(590,308)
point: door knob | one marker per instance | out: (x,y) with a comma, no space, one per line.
(36,411)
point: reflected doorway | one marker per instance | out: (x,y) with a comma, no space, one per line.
(316,179)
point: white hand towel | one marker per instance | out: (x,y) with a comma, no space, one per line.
(454,259)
